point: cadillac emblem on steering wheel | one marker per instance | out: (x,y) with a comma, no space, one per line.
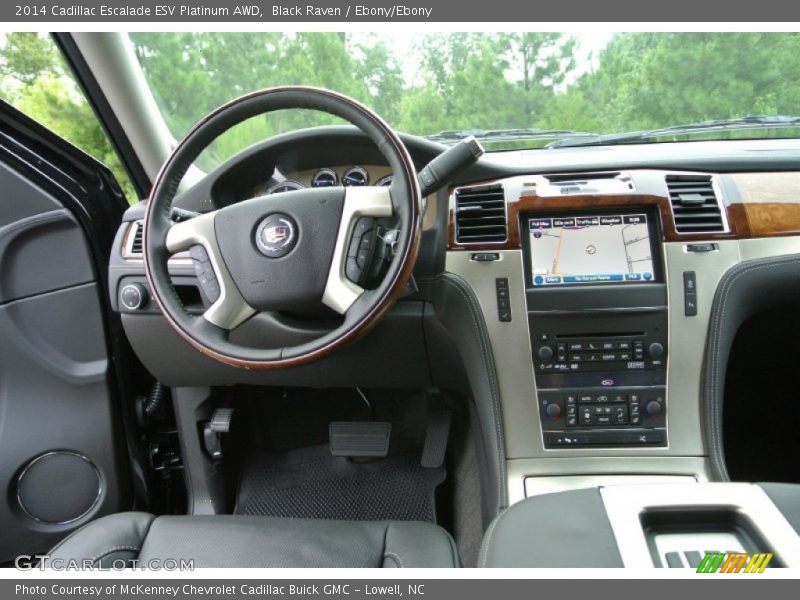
(276,235)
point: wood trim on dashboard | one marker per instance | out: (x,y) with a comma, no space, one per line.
(767,205)
(765,219)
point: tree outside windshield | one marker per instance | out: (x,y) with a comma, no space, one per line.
(428,83)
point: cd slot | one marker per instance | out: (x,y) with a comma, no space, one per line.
(600,334)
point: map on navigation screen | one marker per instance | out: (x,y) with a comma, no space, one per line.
(590,249)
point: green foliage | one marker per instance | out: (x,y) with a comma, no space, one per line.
(648,80)
(34,78)
(446,81)
(481,81)
(28,55)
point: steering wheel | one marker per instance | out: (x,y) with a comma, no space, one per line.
(284,252)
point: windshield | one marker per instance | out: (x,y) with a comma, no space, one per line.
(543,86)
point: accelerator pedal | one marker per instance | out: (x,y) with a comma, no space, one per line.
(436,439)
(360,439)
(219,424)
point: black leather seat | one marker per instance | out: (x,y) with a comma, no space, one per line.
(249,541)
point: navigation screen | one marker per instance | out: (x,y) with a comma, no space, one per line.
(590,249)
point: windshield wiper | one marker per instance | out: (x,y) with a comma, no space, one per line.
(741,123)
(505,135)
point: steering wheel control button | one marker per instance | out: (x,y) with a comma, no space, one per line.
(364,250)
(206,277)
(276,235)
(211,289)
(133,296)
(352,270)
(360,251)
(198,253)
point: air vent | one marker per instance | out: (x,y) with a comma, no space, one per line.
(136,241)
(695,206)
(481,214)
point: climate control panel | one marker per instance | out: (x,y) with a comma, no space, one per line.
(607,417)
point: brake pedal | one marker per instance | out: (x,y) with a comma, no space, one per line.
(360,439)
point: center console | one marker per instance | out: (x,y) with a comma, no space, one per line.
(708,527)
(597,314)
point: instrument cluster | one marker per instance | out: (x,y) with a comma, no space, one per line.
(352,176)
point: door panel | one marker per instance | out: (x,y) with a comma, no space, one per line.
(62,460)
(42,253)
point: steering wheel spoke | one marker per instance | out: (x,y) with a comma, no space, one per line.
(371,201)
(228,309)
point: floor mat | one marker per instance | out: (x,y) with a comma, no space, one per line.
(310,483)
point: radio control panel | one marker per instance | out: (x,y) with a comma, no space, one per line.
(554,354)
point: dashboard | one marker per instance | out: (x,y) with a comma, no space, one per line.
(594,272)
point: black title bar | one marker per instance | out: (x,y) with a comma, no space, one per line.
(437,11)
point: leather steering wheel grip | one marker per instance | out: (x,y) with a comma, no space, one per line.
(361,308)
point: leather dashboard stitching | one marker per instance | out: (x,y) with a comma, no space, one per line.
(466,293)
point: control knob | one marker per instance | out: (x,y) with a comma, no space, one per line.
(553,410)
(133,296)
(653,407)
(656,350)
(546,353)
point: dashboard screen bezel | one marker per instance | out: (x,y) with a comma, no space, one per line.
(653,227)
